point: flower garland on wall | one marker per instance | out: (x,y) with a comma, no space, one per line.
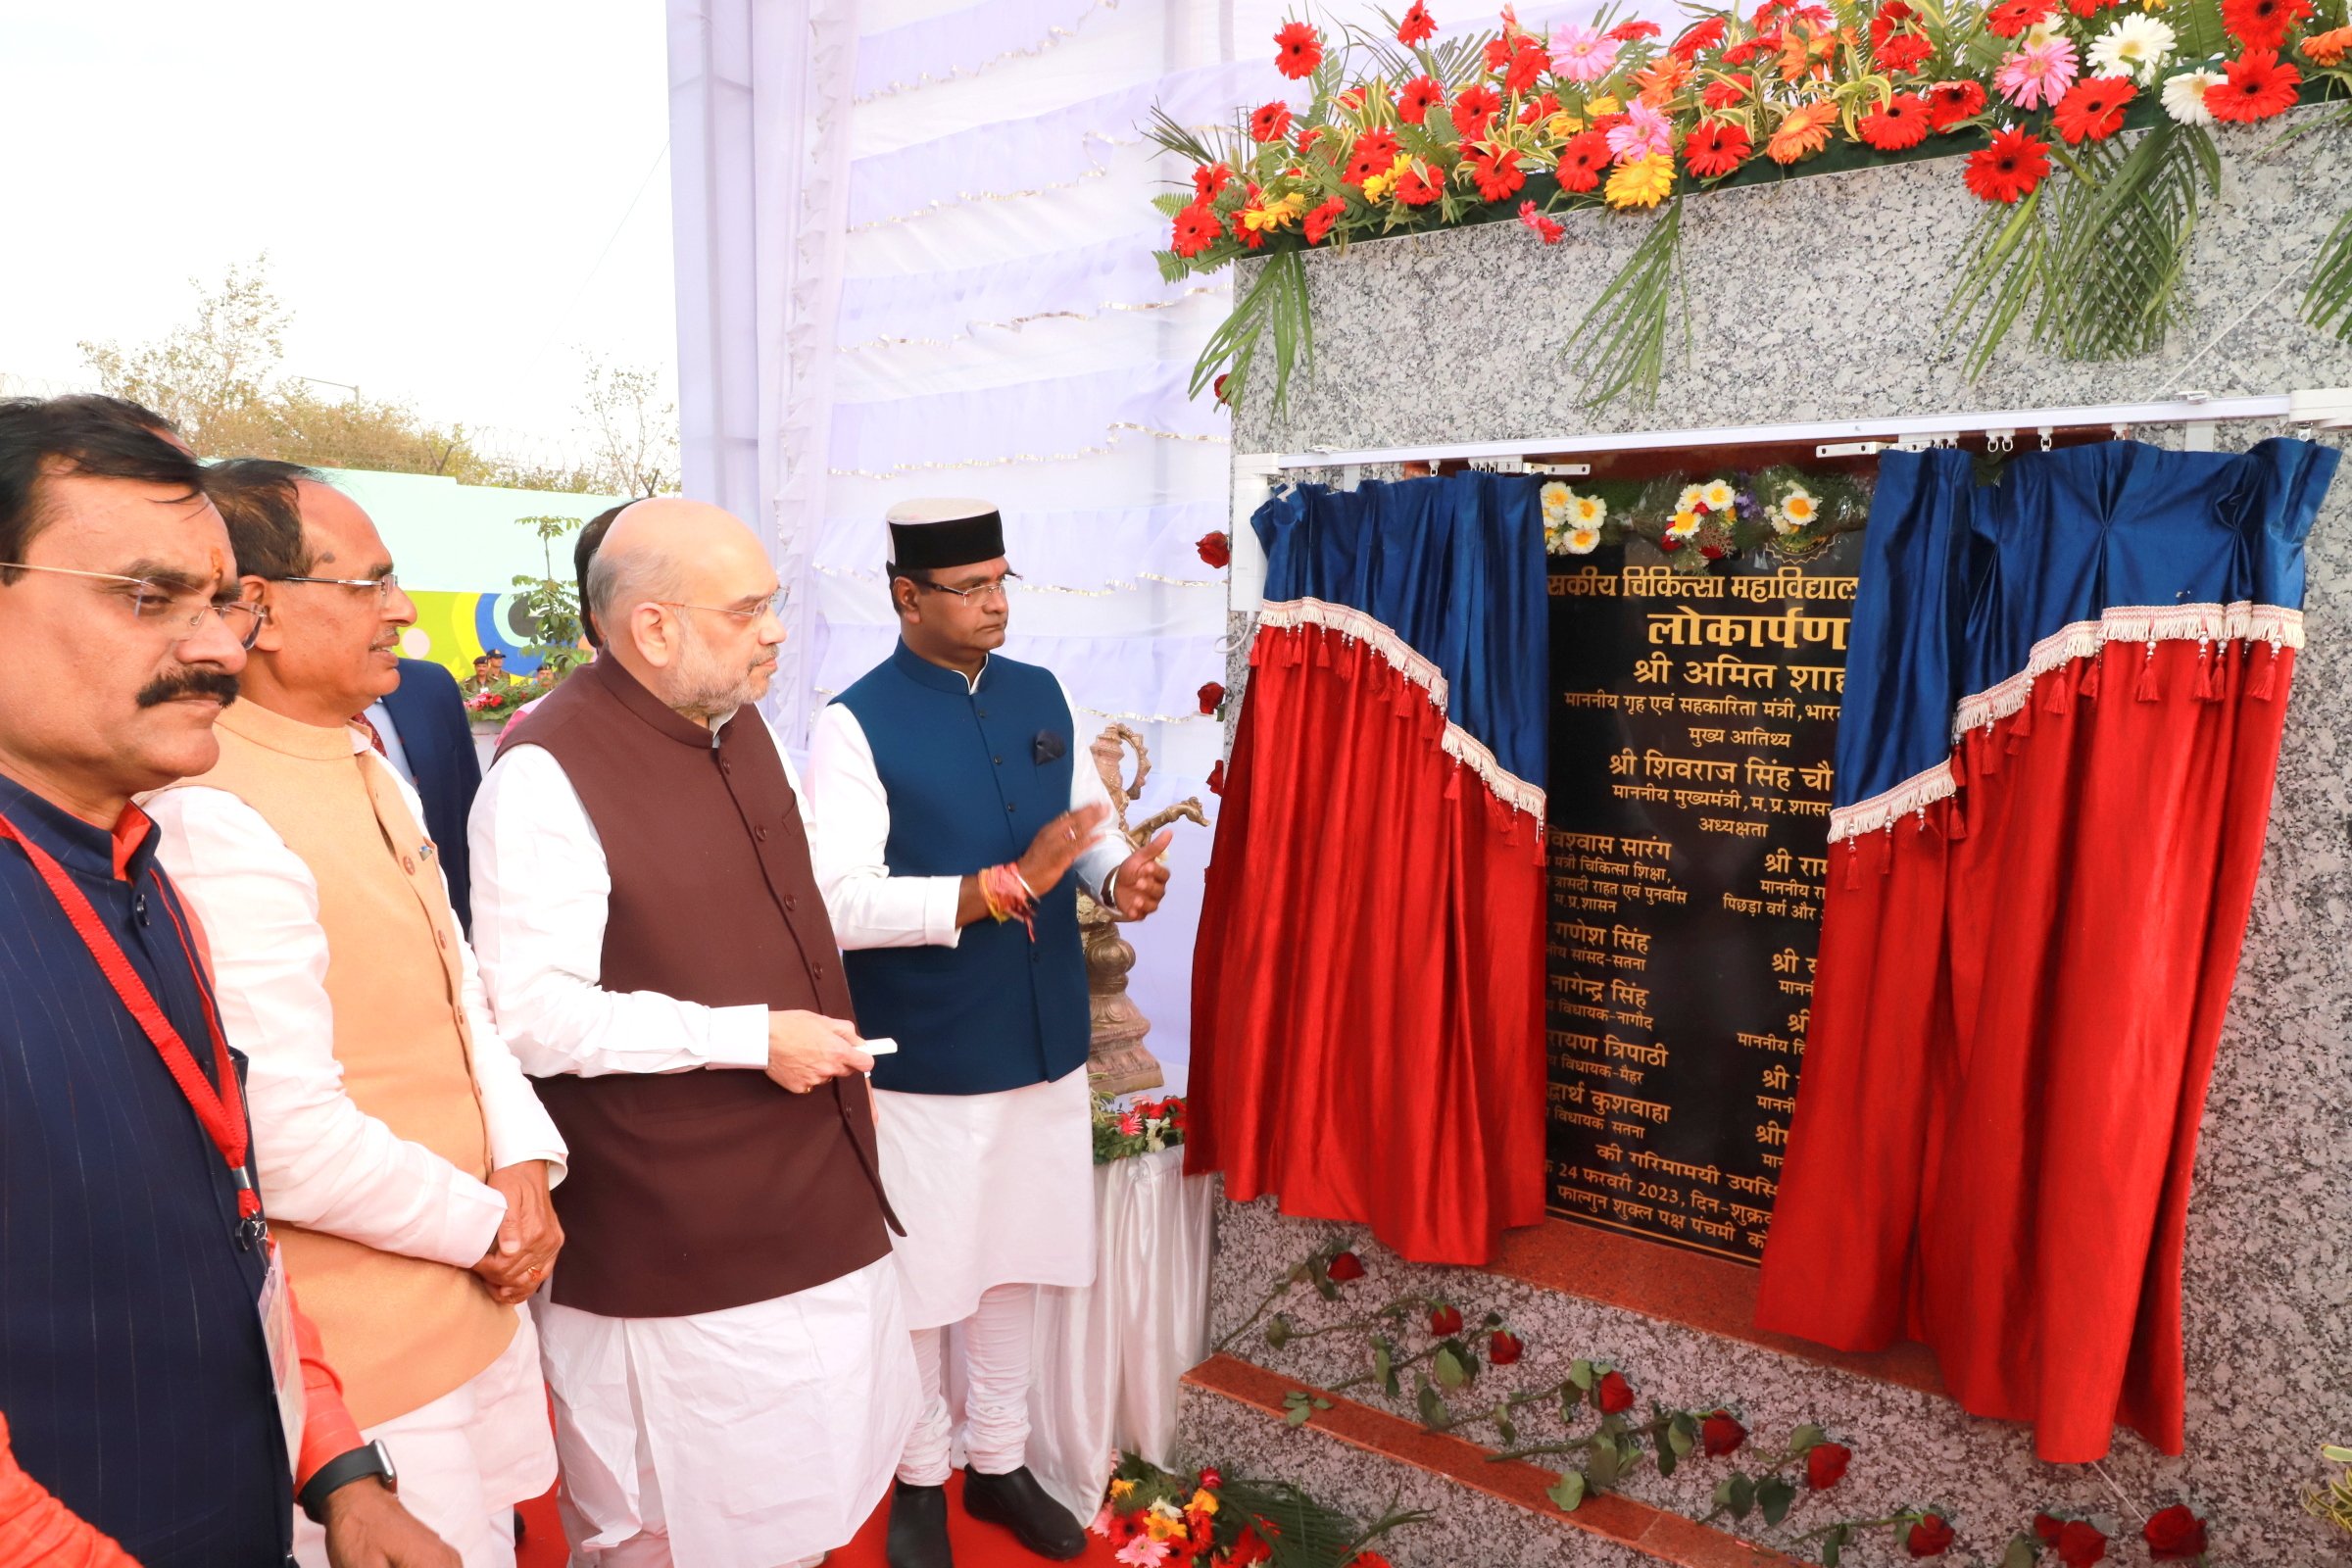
(1402,135)
(1430,1338)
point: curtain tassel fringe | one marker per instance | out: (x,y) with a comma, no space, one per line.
(2146,690)
(2265,679)
(2053,692)
(2090,672)
(1853,862)
(1955,818)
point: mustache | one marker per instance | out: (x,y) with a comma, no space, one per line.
(217,684)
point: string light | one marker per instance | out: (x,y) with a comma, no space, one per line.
(1019,322)
(1027,457)
(1116,586)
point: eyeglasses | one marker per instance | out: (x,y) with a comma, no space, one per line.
(178,615)
(383,585)
(979,590)
(772,607)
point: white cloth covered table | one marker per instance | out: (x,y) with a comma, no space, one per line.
(1108,1354)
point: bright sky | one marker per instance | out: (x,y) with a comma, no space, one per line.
(453,194)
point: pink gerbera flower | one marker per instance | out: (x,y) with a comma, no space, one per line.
(2039,73)
(1582,54)
(1645,134)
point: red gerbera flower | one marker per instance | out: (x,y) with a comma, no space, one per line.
(1374,151)
(1271,122)
(1474,110)
(1900,123)
(1419,97)
(2094,108)
(1746,49)
(2013,16)
(2090,8)
(1414,189)
(1584,160)
(1528,63)
(1715,148)
(1307,138)
(1209,178)
(1697,40)
(1633,31)
(1250,239)
(1418,26)
(2010,168)
(2259,86)
(1319,221)
(1905,51)
(1951,102)
(1298,50)
(1495,171)
(1537,109)
(2262,24)
(1498,52)
(1729,92)
(1196,229)
(1893,15)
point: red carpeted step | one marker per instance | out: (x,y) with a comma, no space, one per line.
(976,1545)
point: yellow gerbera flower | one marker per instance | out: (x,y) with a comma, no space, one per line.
(1378,186)
(1582,541)
(1201,1502)
(1121,1490)
(1642,182)
(1604,105)
(1591,512)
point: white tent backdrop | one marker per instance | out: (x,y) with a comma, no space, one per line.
(914,249)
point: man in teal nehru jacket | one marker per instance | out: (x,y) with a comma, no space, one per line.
(957,816)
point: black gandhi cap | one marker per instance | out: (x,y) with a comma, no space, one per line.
(936,534)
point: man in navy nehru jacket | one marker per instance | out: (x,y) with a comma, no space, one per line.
(957,816)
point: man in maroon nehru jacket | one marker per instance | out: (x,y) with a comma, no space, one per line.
(732,1371)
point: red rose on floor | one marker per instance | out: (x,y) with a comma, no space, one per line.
(1825,1464)
(1697,40)
(1495,171)
(1271,122)
(1715,148)
(1474,110)
(2080,1545)
(1213,696)
(1584,160)
(2047,1529)
(1905,51)
(1415,189)
(1950,101)
(1729,92)
(2173,1534)
(1196,229)
(1718,1435)
(1319,222)
(1418,26)
(2008,169)
(1633,31)
(2013,16)
(1930,1537)
(1345,1267)
(1898,123)
(2259,86)
(1419,97)
(1444,1321)
(2094,108)
(1613,1394)
(2262,24)
(1504,1348)
(1216,778)
(1249,1549)
(1298,50)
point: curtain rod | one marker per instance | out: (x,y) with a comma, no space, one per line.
(2302,406)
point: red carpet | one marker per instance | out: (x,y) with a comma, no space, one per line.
(977,1545)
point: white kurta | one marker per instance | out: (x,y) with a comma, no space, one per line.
(993,1189)
(748,1438)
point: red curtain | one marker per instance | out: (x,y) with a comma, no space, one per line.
(2020,994)
(1368,994)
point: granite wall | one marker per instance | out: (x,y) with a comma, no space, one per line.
(1817,299)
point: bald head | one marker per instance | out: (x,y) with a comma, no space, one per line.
(682,591)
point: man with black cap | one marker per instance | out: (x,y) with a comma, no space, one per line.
(953,828)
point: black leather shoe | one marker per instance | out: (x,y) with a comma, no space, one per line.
(1017,1502)
(918,1527)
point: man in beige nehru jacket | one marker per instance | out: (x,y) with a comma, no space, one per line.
(733,1377)
(402,1150)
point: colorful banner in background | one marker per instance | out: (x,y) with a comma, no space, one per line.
(453,630)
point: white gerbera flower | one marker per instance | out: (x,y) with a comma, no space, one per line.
(2136,46)
(1581,541)
(1590,511)
(1556,500)
(1689,500)
(2184,96)
(1684,525)
(1717,495)
(1799,508)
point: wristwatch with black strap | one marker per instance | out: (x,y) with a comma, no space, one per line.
(370,1459)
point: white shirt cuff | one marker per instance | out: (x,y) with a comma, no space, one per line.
(739,1036)
(475,1211)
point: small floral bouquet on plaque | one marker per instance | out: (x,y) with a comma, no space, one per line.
(1145,1127)
(1158,1519)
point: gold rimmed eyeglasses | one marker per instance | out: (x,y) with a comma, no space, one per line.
(179,616)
